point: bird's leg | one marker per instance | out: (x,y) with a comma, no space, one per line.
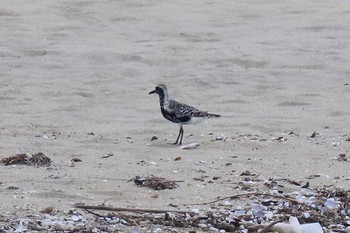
(182,134)
(178,136)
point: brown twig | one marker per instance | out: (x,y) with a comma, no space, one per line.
(87,207)
(96,214)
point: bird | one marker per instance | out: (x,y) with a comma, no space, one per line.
(179,113)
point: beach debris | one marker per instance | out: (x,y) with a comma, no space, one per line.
(177,158)
(305,186)
(313,135)
(71,163)
(248,173)
(38,160)
(190,146)
(157,183)
(107,156)
(313,176)
(49,210)
(154,138)
(51,135)
(306,211)
(220,137)
(335,143)
(76,160)
(129,139)
(342,157)
(16,159)
(281,139)
(295,227)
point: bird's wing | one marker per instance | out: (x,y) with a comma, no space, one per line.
(182,110)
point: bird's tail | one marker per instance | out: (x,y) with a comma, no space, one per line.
(211,115)
(206,114)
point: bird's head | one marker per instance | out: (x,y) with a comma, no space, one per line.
(160,90)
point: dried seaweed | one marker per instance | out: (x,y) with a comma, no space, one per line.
(39,159)
(17,159)
(157,183)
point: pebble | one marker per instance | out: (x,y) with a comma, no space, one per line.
(202,225)
(76,218)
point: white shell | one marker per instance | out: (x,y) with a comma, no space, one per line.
(190,146)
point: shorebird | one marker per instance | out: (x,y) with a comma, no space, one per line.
(178,112)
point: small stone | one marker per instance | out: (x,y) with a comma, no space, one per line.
(75,218)
(76,160)
(71,163)
(106,156)
(213,229)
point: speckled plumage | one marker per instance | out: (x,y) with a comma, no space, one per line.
(178,112)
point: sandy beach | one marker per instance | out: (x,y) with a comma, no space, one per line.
(74,83)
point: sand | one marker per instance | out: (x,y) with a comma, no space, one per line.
(75,77)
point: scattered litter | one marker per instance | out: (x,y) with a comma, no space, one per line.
(313,135)
(106,156)
(220,137)
(177,158)
(49,210)
(295,227)
(154,138)
(281,139)
(335,143)
(157,183)
(342,157)
(52,135)
(248,173)
(313,176)
(76,160)
(71,163)
(38,160)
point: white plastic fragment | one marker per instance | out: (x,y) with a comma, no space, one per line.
(21,227)
(295,227)
(330,203)
(190,146)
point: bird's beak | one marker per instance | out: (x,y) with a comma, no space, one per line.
(152,92)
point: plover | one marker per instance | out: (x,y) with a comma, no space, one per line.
(178,112)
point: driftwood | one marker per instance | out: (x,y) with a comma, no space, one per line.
(108,208)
